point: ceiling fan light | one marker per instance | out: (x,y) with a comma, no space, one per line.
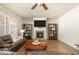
(38,3)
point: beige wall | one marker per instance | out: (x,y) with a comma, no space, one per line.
(30,20)
(27,21)
(52,20)
(69,28)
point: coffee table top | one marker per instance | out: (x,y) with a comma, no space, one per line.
(30,46)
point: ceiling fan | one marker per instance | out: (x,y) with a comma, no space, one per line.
(41,4)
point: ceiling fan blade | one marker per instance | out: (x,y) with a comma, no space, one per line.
(34,6)
(44,6)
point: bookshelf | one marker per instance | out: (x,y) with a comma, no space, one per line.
(28,31)
(52,31)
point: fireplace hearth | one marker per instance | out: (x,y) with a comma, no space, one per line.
(39,34)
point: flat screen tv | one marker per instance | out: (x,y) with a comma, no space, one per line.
(39,23)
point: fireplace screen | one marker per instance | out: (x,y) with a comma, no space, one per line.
(39,34)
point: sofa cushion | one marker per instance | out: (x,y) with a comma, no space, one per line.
(1,42)
(8,42)
(16,45)
(6,39)
(4,49)
(5,45)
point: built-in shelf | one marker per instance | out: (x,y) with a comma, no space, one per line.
(28,31)
(52,31)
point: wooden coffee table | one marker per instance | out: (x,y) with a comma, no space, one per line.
(30,47)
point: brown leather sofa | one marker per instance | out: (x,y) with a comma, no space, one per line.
(7,44)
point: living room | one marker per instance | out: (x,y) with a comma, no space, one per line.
(53,29)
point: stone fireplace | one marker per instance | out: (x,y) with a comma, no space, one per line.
(40,34)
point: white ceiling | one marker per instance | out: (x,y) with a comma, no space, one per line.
(54,9)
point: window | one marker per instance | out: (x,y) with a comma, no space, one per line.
(7,25)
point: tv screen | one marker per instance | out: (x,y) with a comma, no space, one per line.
(39,23)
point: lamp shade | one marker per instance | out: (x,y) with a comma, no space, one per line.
(22,31)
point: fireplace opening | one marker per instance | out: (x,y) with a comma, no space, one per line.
(39,34)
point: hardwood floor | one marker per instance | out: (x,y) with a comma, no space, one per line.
(54,45)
